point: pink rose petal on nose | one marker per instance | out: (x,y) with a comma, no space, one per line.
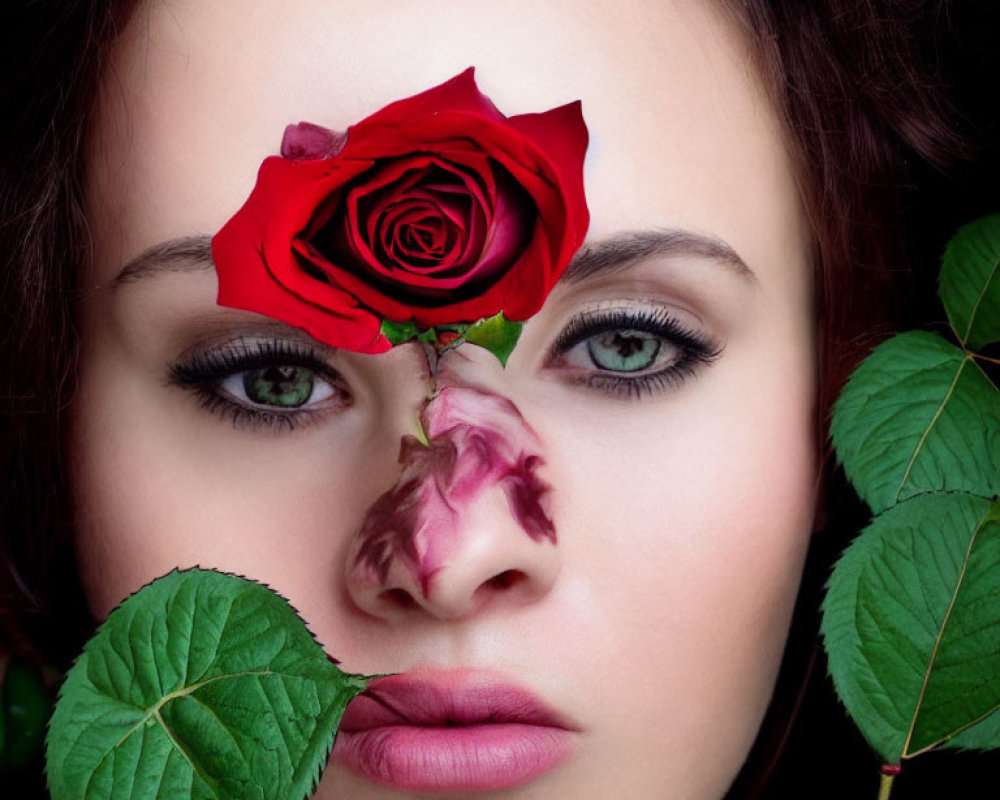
(477,441)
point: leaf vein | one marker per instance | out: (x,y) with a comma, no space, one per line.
(944,624)
(195,767)
(930,426)
(979,301)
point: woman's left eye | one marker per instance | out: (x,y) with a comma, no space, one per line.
(630,352)
(625,350)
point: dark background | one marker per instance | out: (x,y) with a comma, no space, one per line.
(824,755)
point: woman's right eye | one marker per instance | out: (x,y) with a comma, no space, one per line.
(262,384)
(277,387)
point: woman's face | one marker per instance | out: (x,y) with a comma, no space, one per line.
(682,488)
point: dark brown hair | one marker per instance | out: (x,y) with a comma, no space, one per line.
(862,94)
(859,84)
(52,57)
(883,140)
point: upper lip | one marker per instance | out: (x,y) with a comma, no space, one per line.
(447,699)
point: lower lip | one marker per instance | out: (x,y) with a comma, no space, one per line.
(462,757)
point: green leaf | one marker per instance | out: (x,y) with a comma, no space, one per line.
(983,736)
(399,332)
(969,283)
(24,708)
(918,415)
(911,625)
(496,334)
(200,685)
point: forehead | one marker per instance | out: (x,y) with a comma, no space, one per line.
(199,93)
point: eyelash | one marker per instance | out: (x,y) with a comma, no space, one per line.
(696,350)
(203,373)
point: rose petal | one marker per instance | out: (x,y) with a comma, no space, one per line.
(508,259)
(457,218)
(417,237)
(523,287)
(441,282)
(478,441)
(459,94)
(278,287)
(308,142)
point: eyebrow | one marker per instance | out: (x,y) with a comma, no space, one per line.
(624,249)
(184,254)
(194,253)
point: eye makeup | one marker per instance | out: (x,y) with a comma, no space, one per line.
(262,383)
(630,352)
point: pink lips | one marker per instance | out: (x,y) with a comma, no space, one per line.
(450,731)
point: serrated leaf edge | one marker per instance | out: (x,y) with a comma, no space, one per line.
(351,678)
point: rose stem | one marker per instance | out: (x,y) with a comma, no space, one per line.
(430,351)
(885,785)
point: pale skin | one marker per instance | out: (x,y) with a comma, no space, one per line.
(657,618)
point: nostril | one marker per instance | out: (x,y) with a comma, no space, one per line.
(399,598)
(506,579)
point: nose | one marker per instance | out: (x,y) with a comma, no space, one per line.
(466,525)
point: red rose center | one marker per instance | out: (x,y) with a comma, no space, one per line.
(414,233)
(421,228)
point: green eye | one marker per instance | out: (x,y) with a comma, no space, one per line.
(263,383)
(280,386)
(624,350)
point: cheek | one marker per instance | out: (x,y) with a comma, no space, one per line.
(692,534)
(158,482)
(698,523)
(719,471)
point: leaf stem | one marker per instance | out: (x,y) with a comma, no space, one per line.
(889,773)
(885,786)
(985,358)
(422,434)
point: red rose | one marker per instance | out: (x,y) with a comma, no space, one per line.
(435,210)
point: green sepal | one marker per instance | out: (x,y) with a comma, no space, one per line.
(969,284)
(497,334)
(429,336)
(399,332)
(200,685)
